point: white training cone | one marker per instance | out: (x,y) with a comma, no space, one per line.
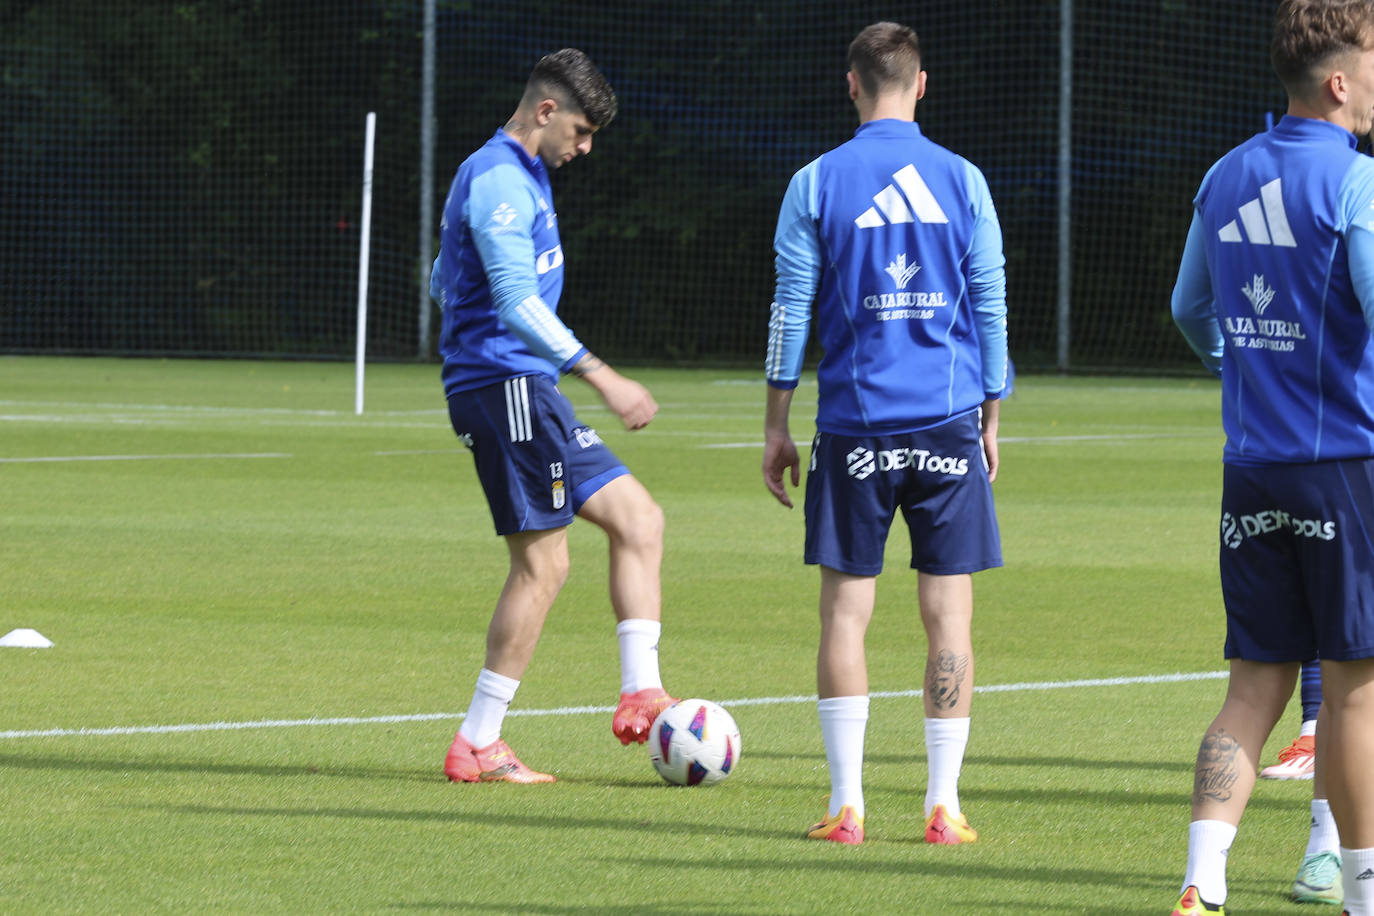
(24,638)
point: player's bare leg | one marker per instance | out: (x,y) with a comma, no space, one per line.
(846,609)
(633,524)
(1225,774)
(947,614)
(1256,695)
(1348,707)
(538,569)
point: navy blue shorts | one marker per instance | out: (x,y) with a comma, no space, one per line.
(537,463)
(937,477)
(1297,561)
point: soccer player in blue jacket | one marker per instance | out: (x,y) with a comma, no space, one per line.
(497,280)
(890,245)
(1275,292)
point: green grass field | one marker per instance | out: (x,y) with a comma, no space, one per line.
(230,562)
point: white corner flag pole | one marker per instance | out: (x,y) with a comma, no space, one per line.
(364,247)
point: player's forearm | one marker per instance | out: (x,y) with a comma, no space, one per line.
(592,370)
(992,414)
(779,405)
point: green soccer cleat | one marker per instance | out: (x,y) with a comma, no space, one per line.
(1192,904)
(1319,879)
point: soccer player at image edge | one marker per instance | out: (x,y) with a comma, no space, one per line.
(1275,293)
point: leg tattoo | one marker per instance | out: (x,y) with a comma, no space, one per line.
(945,678)
(1216,767)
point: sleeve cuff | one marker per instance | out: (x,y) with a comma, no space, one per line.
(567,366)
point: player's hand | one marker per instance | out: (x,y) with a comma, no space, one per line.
(779,454)
(627,399)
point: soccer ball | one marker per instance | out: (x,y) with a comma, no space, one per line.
(694,743)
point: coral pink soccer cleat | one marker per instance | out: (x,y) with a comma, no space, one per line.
(947,829)
(637,712)
(844,827)
(494,763)
(1297,761)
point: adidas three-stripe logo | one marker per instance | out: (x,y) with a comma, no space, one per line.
(1264,220)
(892,203)
(518,409)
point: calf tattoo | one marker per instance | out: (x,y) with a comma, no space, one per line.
(945,678)
(1216,767)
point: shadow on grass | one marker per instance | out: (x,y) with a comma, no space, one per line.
(103,765)
(481,818)
(1184,765)
(939,864)
(677,908)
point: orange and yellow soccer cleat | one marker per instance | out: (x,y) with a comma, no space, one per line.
(845,827)
(636,713)
(494,763)
(1192,904)
(947,829)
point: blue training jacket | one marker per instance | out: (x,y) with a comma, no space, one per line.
(499,272)
(1275,292)
(892,244)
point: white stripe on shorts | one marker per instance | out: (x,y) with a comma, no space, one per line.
(518,409)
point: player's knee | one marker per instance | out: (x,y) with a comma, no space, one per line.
(639,527)
(650,524)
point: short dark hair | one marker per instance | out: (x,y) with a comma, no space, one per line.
(1308,33)
(570,77)
(885,55)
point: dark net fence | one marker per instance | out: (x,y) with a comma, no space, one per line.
(184,177)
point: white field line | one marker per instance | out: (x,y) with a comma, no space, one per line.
(578,710)
(209,409)
(59,458)
(1038,440)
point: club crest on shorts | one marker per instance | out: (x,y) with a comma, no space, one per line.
(559,493)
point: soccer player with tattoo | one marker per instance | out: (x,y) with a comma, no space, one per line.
(891,246)
(1275,292)
(497,279)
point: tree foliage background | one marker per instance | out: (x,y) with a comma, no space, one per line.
(183,176)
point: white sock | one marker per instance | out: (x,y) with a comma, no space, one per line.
(482,725)
(843,723)
(1323,837)
(1209,842)
(945,743)
(638,654)
(1309,727)
(1357,876)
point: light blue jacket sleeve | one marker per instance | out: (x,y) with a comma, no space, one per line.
(1191,303)
(1357,203)
(987,284)
(797,245)
(501,209)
